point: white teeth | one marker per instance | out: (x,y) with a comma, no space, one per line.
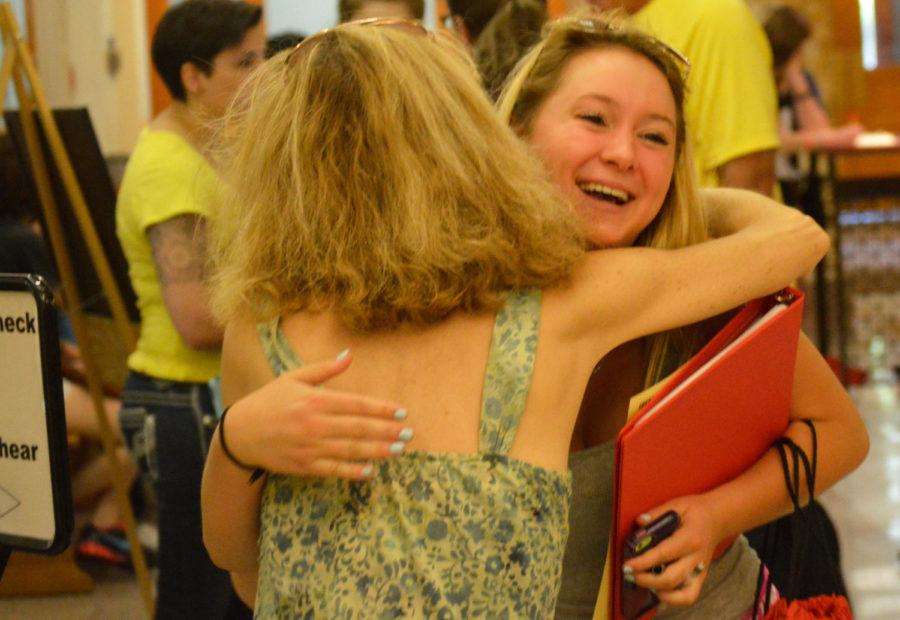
(605,190)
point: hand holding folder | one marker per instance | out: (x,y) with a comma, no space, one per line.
(714,418)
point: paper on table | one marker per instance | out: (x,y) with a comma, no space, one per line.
(876,139)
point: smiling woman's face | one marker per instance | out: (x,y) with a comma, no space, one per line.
(607,136)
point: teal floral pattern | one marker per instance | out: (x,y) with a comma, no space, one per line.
(508,373)
(431,535)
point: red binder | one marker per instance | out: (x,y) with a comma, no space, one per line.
(700,431)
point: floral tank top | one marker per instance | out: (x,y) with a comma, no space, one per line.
(430,535)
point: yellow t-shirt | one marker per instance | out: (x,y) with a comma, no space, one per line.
(732,104)
(165,177)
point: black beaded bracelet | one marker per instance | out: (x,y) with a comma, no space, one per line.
(258,472)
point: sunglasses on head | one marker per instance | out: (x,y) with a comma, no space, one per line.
(306,45)
(599,26)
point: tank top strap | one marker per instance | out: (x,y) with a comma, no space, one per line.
(509,368)
(277,349)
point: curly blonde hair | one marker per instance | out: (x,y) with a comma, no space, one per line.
(681,221)
(371,177)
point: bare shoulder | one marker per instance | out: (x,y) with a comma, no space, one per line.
(244,363)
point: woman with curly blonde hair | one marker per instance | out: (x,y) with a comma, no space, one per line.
(376,204)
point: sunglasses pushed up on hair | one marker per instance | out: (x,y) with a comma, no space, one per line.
(598,26)
(306,45)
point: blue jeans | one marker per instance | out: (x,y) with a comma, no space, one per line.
(168,426)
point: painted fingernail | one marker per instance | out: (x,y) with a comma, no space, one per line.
(342,355)
(367,471)
(397,447)
(406,434)
(400,414)
(628,570)
(645,518)
(628,577)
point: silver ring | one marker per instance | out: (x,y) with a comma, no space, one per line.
(698,569)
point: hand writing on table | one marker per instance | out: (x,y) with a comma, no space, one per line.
(686,554)
(294,425)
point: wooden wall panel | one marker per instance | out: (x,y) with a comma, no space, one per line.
(881,107)
(159,96)
(845,17)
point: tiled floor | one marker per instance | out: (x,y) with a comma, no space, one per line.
(116,597)
(865,507)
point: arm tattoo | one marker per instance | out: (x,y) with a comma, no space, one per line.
(179,249)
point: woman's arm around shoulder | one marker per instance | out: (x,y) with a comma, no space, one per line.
(728,210)
(229,503)
(620,294)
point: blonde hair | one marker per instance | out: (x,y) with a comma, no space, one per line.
(374,179)
(680,221)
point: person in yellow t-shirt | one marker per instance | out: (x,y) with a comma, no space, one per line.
(203,50)
(731,107)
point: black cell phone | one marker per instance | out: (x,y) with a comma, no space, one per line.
(636,600)
(35,496)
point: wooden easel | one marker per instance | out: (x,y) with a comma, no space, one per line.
(18,66)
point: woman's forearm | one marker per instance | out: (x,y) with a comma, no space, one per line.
(730,210)
(759,495)
(641,291)
(230,508)
(828,138)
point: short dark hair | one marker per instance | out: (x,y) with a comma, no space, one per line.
(477,14)
(787,30)
(346,8)
(196,31)
(283,41)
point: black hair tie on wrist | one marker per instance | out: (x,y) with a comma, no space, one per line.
(258,472)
